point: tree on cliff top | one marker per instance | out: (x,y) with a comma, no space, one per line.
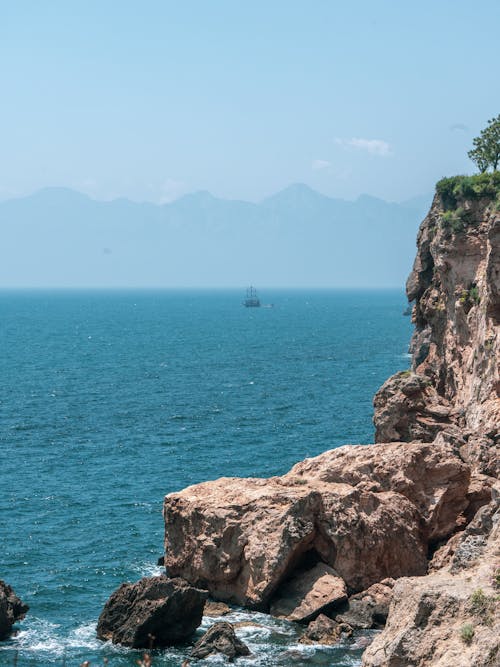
(486,151)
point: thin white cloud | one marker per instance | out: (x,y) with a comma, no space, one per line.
(373,146)
(320,164)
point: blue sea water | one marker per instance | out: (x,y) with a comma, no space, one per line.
(110,400)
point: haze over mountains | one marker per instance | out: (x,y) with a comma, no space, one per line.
(296,238)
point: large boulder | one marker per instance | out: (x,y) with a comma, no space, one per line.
(309,593)
(220,638)
(432,476)
(367,512)
(153,612)
(12,609)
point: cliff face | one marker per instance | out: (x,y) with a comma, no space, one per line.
(455,383)
(449,618)
(383,510)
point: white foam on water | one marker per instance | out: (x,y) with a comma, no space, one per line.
(147,569)
(262,633)
(38,636)
(44,637)
(84,636)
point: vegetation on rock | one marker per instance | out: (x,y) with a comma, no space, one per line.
(467,633)
(482,606)
(459,192)
(456,189)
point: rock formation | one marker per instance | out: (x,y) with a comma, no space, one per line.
(367,512)
(220,638)
(153,612)
(455,381)
(12,609)
(449,618)
(418,496)
(324,630)
(370,608)
(308,593)
(216,609)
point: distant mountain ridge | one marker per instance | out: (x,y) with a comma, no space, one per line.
(58,237)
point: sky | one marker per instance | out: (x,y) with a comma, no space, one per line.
(149,100)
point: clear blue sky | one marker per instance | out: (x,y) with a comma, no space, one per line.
(151,99)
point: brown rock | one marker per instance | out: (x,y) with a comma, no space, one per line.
(444,553)
(370,608)
(367,512)
(220,638)
(242,538)
(12,609)
(427,617)
(213,608)
(455,378)
(308,593)
(324,630)
(408,408)
(432,476)
(153,612)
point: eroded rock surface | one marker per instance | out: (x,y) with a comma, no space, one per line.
(370,608)
(220,638)
(12,609)
(153,612)
(450,618)
(367,512)
(324,630)
(215,609)
(455,378)
(308,593)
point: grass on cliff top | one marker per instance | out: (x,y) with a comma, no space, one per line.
(455,190)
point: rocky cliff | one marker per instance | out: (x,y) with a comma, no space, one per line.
(372,512)
(454,385)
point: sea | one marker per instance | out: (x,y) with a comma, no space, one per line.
(111,399)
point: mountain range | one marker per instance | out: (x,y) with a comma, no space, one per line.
(298,237)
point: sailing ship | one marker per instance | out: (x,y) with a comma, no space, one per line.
(251,300)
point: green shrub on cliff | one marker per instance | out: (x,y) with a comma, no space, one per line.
(467,633)
(470,298)
(456,220)
(457,189)
(483,606)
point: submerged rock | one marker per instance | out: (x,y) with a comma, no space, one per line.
(220,638)
(153,612)
(213,608)
(12,609)
(308,593)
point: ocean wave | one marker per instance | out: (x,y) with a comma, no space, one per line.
(41,636)
(147,569)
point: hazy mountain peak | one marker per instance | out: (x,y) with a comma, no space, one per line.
(59,194)
(197,196)
(59,237)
